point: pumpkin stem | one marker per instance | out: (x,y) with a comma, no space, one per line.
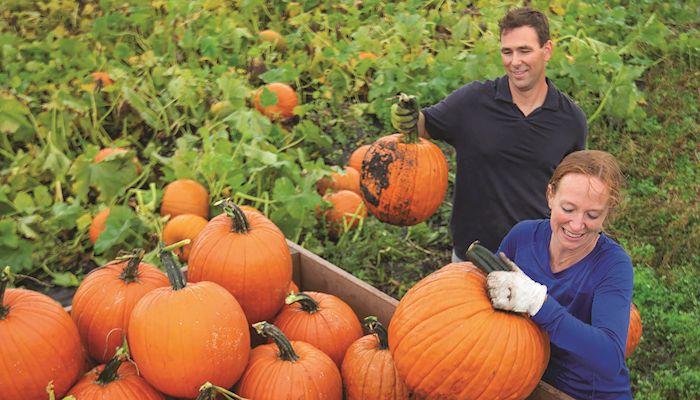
(266,329)
(130,273)
(172,269)
(209,391)
(4,280)
(377,328)
(240,222)
(484,259)
(306,302)
(408,101)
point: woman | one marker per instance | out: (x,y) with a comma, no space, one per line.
(573,280)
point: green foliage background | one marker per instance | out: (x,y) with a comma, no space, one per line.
(183,77)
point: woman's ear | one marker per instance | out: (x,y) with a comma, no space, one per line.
(550,195)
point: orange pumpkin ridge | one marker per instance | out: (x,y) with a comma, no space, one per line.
(634,333)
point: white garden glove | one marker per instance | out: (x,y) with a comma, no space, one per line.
(515,291)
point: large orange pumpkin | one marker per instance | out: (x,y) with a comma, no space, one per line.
(368,369)
(98,225)
(403,179)
(185,196)
(247,254)
(634,334)
(39,343)
(114,380)
(190,333)
(322,320)
(355,160)
(286,101)
(349,179)
(183,226)
(104,300)
(448,342)
(289,370)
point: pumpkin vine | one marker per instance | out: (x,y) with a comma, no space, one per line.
(306,302)
(267,329)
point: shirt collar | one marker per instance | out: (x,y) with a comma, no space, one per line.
(551,102)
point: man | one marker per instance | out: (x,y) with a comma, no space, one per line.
(509,134)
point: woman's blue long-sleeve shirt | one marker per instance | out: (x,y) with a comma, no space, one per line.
(586,313)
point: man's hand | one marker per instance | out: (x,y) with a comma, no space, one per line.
(404,113)
(515,291)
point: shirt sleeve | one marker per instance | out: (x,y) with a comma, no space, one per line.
(601,344)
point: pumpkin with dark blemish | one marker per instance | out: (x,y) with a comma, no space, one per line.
(403,179)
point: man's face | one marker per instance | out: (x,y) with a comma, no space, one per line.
(523,57)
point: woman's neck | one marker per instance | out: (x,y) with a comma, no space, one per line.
(561,259)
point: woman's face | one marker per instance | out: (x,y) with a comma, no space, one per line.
(579,206)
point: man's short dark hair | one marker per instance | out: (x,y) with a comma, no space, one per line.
(526,16)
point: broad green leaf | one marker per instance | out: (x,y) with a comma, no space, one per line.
(19,257)
(117,226)
(24,202)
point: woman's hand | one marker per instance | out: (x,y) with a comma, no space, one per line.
(515,291)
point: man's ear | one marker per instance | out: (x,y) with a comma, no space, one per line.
(548,47)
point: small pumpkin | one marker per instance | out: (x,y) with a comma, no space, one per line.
(185,196)
(448,342)
(187,334)
(355,160)
(286,101)
(403,179)
(114,380)
(98,225)
(368,369)
(322,320)
(103,153)
(247,254)
(289,369)
(183,226)
(101,78)
(103,302)
(349,179)
(345,212)
(275,38)
(39,343)
(634,333)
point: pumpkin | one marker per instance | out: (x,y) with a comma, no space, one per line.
(355,160)
(273,37)
(448,342)
(349,179)
(403,179)
(634,333)
(39,343)
(183,226)
(108,151)
(187,334)
(366,54)
(288,370)
(247,254)
(345,212)
(114,380)
(368,369)
(322,320)
(101,78)
(103,302)
(185,196)
(286,101)
(98,225)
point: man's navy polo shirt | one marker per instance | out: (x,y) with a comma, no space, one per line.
(504,158)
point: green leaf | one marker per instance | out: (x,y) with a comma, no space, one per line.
(19,257)
(8,234)
(117,227)
(24,202)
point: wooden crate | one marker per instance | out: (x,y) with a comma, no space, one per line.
(313,273)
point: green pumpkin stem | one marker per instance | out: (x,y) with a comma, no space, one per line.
(109,373)
(130,273)
(209,391)
(407,101)
(172,268)
(374,326)
(266,329)
(240,222)
(306,302)
(4,280)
